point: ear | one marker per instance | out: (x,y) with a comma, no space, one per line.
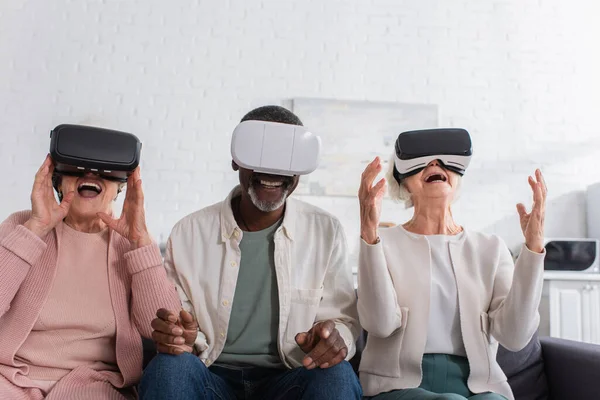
(234,166)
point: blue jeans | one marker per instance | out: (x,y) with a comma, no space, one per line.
(186,377)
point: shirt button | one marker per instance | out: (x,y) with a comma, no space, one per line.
(225,302)
(206,361)
(233,264)
(222,334)
(236,234)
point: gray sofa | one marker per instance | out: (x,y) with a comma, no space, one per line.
(555,369)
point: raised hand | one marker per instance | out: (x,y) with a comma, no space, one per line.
(370,198)
(132,222)
(323,345)
(46,212)
(174,334)
(532,223)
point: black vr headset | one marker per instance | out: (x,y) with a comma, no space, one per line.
(414,150)
(77,150)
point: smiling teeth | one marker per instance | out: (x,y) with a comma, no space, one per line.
(95,185)
(271,184)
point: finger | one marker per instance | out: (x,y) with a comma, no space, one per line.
(166,327)
(170,349)
(328,356)
(130,184)
(531,182)
(164,338)
(540,178)
(521,210)
(47,162)
(48,177)
(137,174)
(322,347)
(379,188)
(139,194)
(325,329)
(166,315)
(66,202)
(540,181)
(538,198)
(301,338)
(40,177)
(305,341)
(108,220)
(338,358)
(370,173)
(187,320)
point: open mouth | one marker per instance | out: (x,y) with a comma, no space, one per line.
(89,189)
(271,182)
(436,178)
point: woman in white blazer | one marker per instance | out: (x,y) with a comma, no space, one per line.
(436,298)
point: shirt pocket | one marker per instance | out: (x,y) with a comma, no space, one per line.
(382,356)
(495,373)
(304,306)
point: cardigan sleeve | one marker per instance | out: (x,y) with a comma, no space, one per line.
(378,309)
(19,250)
(513,312)
(150,287)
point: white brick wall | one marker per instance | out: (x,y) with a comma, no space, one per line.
(521,75)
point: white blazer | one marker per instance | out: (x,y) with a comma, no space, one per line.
(498,302)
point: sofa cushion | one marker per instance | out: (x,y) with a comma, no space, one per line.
(525,371)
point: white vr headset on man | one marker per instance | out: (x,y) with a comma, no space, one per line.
(275,148)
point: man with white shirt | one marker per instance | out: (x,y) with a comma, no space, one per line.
(269,308)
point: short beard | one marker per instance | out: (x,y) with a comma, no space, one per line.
(267,206)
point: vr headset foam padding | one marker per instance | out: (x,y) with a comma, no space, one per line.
(77,150)
(415,149)
(275,148)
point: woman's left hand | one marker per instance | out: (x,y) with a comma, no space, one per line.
(132,223)
(532,223)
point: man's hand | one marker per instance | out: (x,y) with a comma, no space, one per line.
(174,334)
(323,345)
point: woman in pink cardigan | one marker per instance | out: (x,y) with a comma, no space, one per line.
(77,289)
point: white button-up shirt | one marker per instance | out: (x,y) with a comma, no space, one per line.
(314,279)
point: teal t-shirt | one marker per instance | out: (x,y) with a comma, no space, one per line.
(254,321)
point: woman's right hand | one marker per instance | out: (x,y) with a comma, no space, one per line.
(46,212)
(370,198)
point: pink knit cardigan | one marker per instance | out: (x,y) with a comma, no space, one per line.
(138,286)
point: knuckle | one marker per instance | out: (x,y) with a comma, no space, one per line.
(344,352)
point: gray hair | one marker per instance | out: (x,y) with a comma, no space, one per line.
(399,192)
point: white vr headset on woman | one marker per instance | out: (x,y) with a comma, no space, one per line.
(275,148)
(415,149)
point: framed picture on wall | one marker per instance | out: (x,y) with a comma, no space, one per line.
(352,134)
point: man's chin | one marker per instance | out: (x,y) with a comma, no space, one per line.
(267,203)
